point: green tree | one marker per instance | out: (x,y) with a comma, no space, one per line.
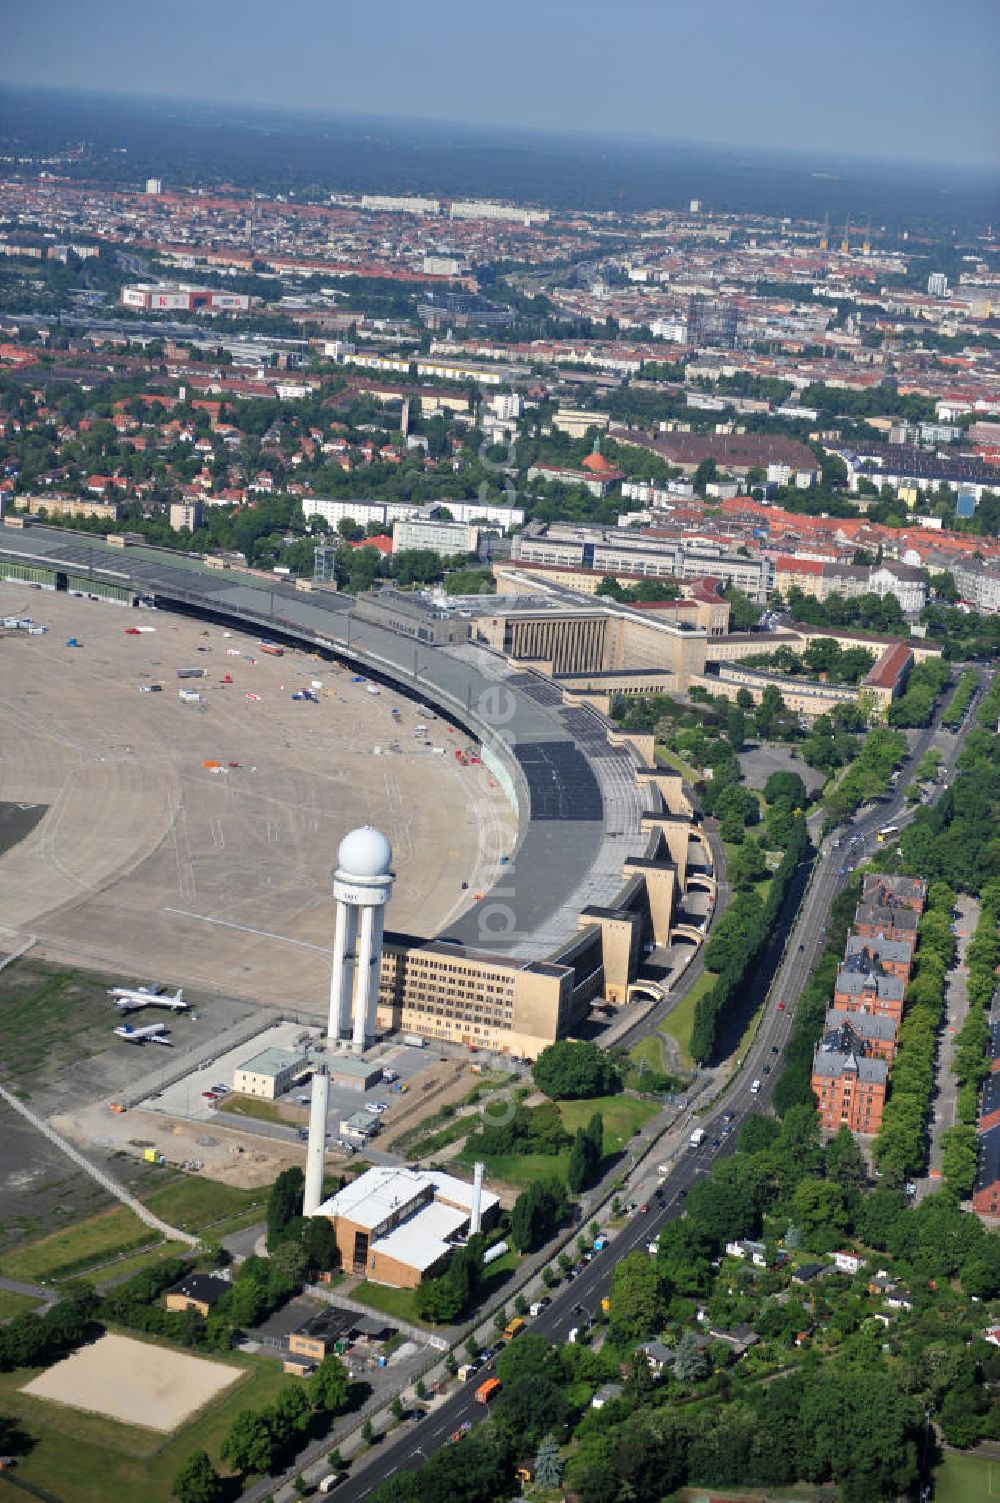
(197,1481)
(320,1244)
(250,1445)
(291,1412)
(548,1464)
(329,1386)
(284,1204)
(692,1363)
(639,1295)
(786,788)
(571,1069)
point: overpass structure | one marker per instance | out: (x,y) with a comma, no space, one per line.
(605,840)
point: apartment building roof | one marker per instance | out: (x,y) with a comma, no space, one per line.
(886,916)
(854,983)
(988,1160)
(834,1064)
(990,1100)
(890,668)
(878,950)
(840,1029)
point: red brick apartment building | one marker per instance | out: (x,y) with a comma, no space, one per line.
(849,1085)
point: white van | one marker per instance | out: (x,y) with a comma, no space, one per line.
(755,1087)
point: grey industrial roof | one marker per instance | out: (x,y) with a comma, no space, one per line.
(273,1061)
(578,804)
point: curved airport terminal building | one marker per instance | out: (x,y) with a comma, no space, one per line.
(610,853)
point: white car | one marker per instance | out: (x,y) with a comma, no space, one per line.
(375,1107)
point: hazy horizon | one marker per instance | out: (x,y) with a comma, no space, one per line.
(897,82)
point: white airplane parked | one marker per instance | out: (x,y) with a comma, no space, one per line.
(153,1033)
(129,999)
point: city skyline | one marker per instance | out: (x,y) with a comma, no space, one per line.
(721,76)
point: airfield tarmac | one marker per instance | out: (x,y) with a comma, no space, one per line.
(149,864)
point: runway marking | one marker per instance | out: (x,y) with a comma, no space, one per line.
(203,918)
(218,838)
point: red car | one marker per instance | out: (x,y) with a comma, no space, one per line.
(644,1209)
(781,1006)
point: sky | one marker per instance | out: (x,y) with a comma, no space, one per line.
(912,80)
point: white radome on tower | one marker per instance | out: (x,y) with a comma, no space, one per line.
(362,886)
(365,853)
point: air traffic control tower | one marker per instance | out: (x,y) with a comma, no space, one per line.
(362,886)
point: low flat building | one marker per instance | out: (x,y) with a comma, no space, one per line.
(360,1127)
(269,1073)
(197,1291)
(352,1074)
(398,1226)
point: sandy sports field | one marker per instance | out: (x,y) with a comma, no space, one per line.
(134,1382)
(154,866)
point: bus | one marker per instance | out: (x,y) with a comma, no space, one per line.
(887,831)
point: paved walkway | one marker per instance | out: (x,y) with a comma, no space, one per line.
(30,1291)
(106,1181)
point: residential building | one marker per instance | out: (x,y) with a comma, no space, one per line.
(986,1189)
(387,203)
(989,1103)
(937,284)
(890,957)
(186,514)
(446,539)
(891,922)
(874,1034)
(71,506)
(886,887)
(850,1089)
(862,986)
